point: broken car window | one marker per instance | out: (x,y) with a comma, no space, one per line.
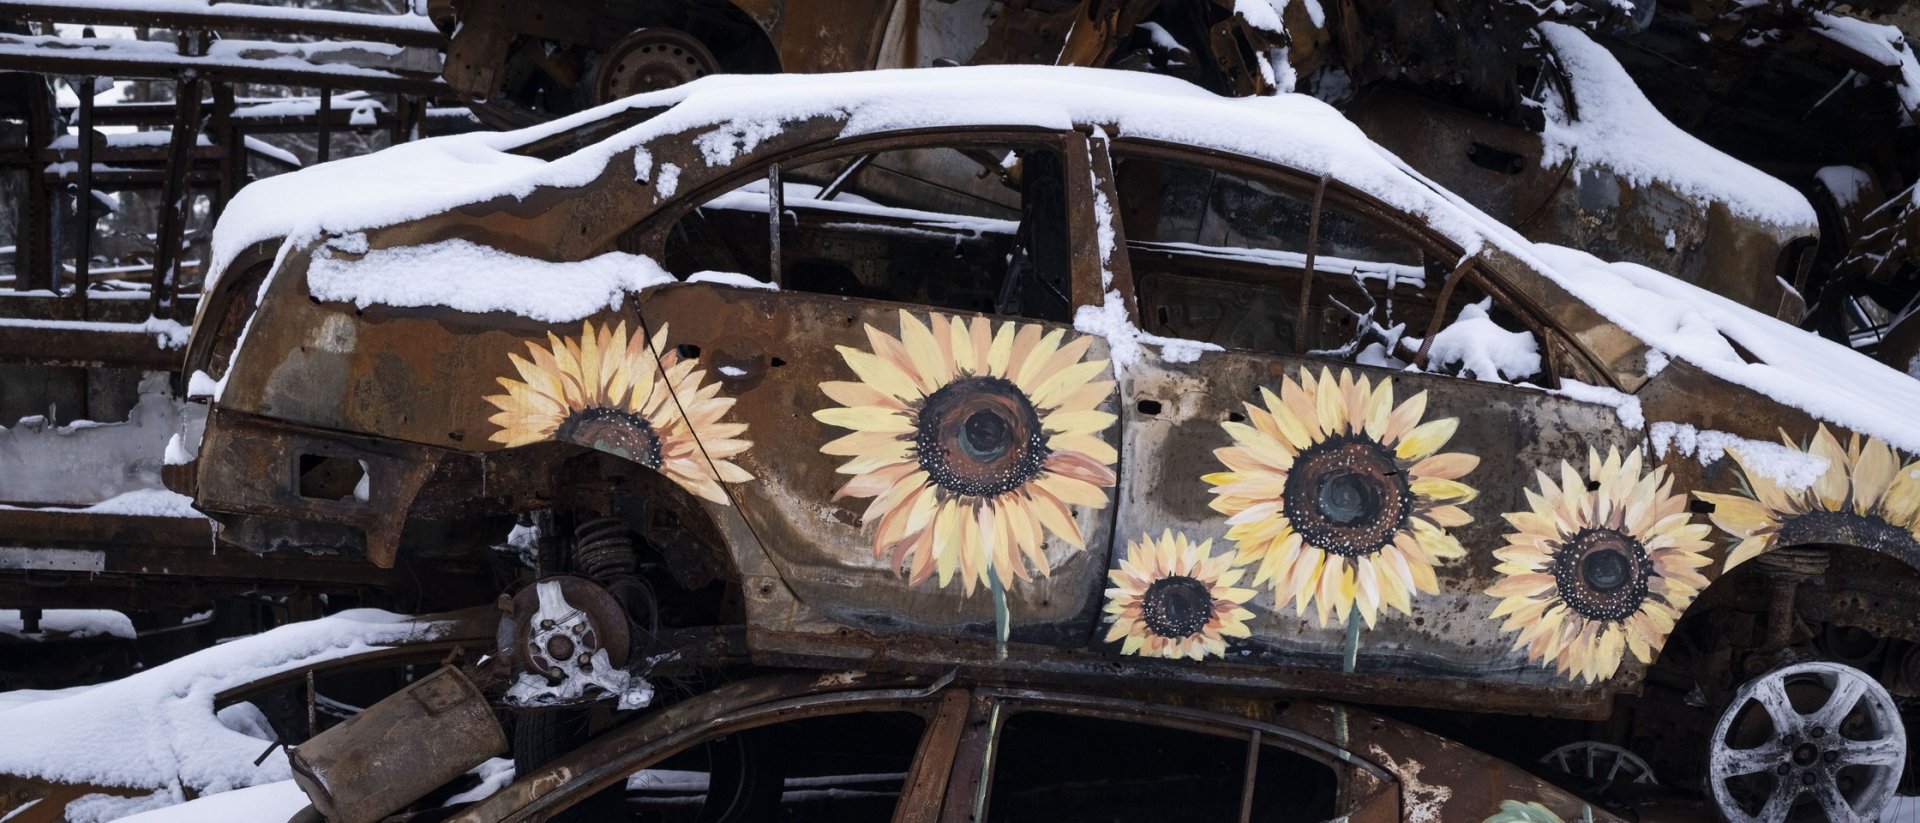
(1059,767)
(1220,257)
(979,229)
(847,768)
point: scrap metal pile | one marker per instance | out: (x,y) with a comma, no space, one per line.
(1297,389)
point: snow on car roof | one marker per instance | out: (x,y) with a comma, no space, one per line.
(723,112)
(157,728)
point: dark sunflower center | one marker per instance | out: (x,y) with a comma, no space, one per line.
(979,436)
(1347,495)
(613,431)
(1602,574)
(1867,531)
(1176,606)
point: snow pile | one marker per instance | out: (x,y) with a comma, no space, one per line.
(468,277)
(1818,376)
(1789,467)
(265,803)
(72,623)
(1625,406)
(157,730)
(1481,348)
(1880,43)
(1620,129)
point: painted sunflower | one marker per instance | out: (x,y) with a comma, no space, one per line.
(1864,494)
(1599,566)
(605,390)
(1342,497)
(1172,598)
(973,441)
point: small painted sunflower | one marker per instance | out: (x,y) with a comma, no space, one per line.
(973,441)
(1341,496)
(607,391)
(1599,566)
(1172,598)
(1864,494)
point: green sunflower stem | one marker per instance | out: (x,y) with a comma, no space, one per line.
(1001,623)
(1350,656)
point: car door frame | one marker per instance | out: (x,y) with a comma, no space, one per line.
(1521,691)
(613,756)
(1369,793)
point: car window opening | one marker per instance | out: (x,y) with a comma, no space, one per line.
(1225,259)
(966,229)
(1061,767)
(847,768)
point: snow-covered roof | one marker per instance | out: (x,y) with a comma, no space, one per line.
(724,114)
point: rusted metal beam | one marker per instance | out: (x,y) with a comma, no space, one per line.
(41,55)
(85,344)
(174,200)
(398,29)
(83,203)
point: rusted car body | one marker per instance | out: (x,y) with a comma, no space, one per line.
(1043,433)
(966,756)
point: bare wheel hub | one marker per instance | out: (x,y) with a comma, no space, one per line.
(651,59)
(1816,738)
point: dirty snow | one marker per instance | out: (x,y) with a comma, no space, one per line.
(469,277)
(1791,468)
(72,623)
(265,803)
(156,729)
(1621,130)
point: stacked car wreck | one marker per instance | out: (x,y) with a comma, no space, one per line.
(930,443)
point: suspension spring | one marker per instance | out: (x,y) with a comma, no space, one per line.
(603,549)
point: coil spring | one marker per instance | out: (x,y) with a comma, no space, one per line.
(603,549)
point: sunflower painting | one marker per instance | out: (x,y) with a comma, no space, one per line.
(605,390)
(1599,566)
(1865,496)
(1174,598)
(973,441)
(1342,497)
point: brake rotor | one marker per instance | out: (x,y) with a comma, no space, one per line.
(651,59)
(558,623)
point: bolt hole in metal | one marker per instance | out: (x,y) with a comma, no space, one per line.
(1808,741)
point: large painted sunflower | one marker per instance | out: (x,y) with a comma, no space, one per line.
(1599,566)
(605,390)
(1173,598)
(973,441)
(1864,494)
(1342,497)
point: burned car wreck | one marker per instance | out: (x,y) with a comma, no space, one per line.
(1064,386)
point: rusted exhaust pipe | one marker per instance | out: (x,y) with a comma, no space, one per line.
(399,749)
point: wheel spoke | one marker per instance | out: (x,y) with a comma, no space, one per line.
(1883,752)
(1779,802)
(1832,802)
(1761,758)
(1771,694)
(1847,689)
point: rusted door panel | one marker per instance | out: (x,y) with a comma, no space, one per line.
(799,366)
(1181,420)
